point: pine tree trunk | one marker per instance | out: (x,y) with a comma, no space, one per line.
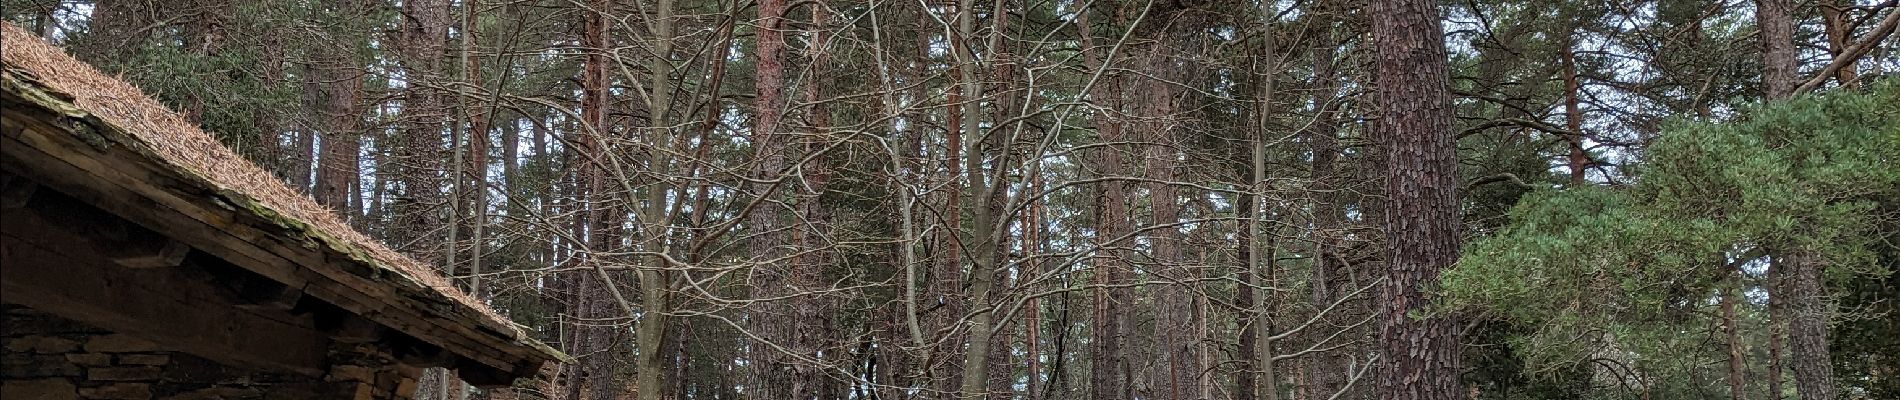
(656,282)
(269,131)
(1737,387)
(476,112)
(820,337)
(1834,21)
(1420,354)
(1804,307)
(419,155)
(946,283)
(1262,257)
(1108,373)
(1178,345)
(1573,120)
(204,36)
(304,150)
(1328,368)
(1808,315)
(1246,375)
(1776,21)
(1032,313)
(337,78)
(774,374)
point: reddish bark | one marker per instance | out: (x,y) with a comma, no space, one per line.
(1420,358)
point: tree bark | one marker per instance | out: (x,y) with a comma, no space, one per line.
(1108,372)
(946,287)
(1807,316)
(775,370)
(1328,368)
(1776,21)
(336,76)
(818,312)
(987,189)
(1730,286)
(652,331)
(476,113)
(1246,375)
(1804,308)
(1573,120)
(1421,354)
(1737,387)
(304,151)
(1032,316)
(1834,21)
(1777,331)
(589,207)
(1178,344)
(422,44)
(270,153)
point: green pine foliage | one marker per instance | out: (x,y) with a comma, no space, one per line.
(1632,274)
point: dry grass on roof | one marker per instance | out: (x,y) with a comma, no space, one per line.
(181,143)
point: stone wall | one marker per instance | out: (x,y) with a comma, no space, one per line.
(47,357)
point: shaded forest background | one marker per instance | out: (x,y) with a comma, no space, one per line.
(1016,199)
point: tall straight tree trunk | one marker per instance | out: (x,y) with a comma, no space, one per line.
(1002,85)
(1261,258)
(947,277)
(337,77)
(1573,120)
(572,286)
(1246,375)
(1776,21)
(591,375)
(1328,369)
(1108,372)
(1108,364)
(818,313)
(419,155)
(1777,333)
(1420,354)
(1032,267)
(1178,344)
(1737,386)
(463,139)
(651,331)
(1805,309)
(270,150)
(424,114)
(476,113)
(774,374)
(1807,315)
(303,156)
(988,226)
(1776,35)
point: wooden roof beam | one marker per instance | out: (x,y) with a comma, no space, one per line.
(53,267)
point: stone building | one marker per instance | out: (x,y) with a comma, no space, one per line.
(141,259)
